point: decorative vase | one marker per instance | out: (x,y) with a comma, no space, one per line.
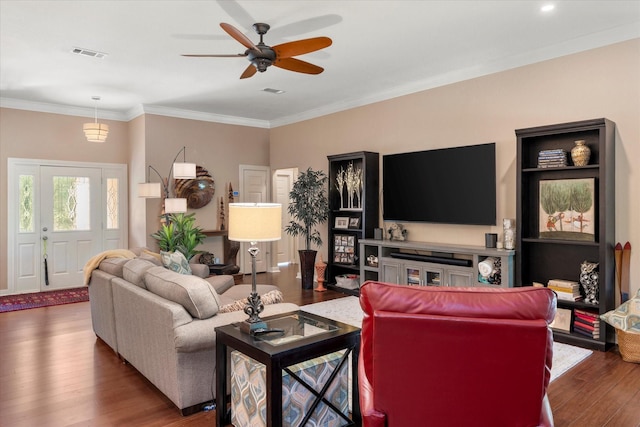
(307,263)
(321,266)
(580,154)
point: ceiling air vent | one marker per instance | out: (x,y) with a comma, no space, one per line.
(87,52)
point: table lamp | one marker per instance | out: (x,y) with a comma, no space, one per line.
(253,223)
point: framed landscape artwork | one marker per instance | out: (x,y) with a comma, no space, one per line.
(567,209)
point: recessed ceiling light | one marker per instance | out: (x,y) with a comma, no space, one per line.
(276,91)
(548,7)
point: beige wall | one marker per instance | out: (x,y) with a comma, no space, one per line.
(145,140)
(219,148)
(603,82)
(26,134)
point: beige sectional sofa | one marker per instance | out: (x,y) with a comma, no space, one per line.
(163,323)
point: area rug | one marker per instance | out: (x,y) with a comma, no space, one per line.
(43,299)
(347,310)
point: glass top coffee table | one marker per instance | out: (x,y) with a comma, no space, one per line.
(302,336)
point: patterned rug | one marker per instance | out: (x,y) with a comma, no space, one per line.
(43,299)
(347,310)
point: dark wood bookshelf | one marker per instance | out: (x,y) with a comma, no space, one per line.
(541,259)
(365,211)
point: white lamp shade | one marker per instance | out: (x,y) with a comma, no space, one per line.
(173,205)
(255,222)
(96,132)
(149,190)
(184,170)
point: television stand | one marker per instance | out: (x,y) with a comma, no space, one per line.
(433,264)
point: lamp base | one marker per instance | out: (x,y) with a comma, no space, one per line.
(249,327)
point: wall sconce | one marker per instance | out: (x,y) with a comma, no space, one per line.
(154,190)
(96,132)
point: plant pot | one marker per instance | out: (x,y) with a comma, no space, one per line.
(307,265)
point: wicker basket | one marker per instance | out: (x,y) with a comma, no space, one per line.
(629,345)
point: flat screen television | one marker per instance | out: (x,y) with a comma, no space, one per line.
(450,185)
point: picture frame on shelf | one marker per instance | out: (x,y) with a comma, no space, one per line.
(567,209)
(354,222)
(342,222)
(344,249)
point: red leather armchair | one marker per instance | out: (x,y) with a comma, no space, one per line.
(455,356)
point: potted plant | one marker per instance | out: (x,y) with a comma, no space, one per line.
(308,207)
(180,234)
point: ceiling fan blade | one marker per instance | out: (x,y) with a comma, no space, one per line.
(293,64)
(236,34)
(249,72)
(300,47)
(305,26)
(236,55)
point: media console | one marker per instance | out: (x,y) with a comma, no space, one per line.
(434,264)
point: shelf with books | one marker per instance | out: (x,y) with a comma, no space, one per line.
(556,234)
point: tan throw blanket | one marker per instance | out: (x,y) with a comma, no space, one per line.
(95,261)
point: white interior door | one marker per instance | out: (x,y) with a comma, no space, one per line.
(254,188)
(283,182)
(70,222)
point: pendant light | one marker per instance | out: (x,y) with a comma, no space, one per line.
(96,132)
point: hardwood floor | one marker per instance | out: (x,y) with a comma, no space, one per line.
(54,372)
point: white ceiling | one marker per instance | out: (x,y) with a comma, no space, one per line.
(381,49)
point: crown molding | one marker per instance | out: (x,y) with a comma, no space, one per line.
(68,110)
(205,117)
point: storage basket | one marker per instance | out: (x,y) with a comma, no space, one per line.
(348,281)
(629,345)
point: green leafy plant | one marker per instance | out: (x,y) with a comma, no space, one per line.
(180,234)
(309,206)
(167,237)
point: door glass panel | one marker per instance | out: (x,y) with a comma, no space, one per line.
(433,278)
(413,276)
(71,203)
(112,203)
(25,209)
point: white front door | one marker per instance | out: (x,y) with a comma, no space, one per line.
(254,188)
(70,223)
(81,209)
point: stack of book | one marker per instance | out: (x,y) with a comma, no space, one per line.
(586,322)
(552,158)
(566,290)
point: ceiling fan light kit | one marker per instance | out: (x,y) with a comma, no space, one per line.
(262,56)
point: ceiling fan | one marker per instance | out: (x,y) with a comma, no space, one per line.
(262,56)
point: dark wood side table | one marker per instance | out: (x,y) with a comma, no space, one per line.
(278,351)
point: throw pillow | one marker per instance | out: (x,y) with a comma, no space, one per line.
(271,297)
(626,316)
(175,261)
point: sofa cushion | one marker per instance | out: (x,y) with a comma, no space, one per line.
(175,261)
(271,297)
(193,293)
(134,271)
(221,283)
(113,265)
(152,257)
